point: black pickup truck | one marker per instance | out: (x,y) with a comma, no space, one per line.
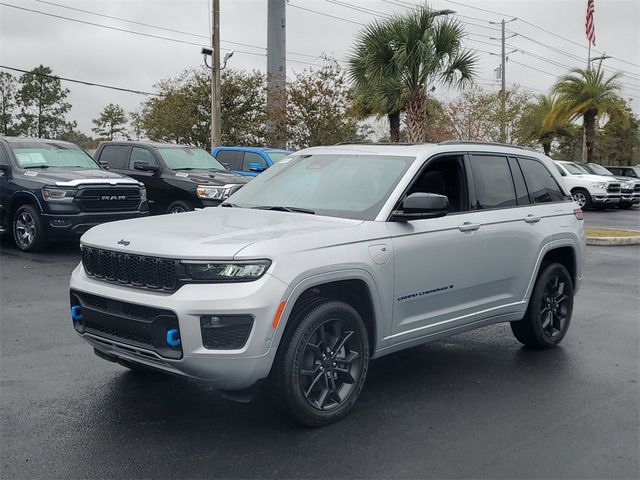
(51,189)
(179,178)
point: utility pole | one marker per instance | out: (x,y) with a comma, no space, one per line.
(503,77)
(276,72)
(216,131)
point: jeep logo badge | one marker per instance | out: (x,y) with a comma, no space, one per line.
(113,197)
(124,242)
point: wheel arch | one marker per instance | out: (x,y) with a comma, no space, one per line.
(556,252)
(356,288)
(21,198)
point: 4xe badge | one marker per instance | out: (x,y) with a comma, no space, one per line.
(124,242)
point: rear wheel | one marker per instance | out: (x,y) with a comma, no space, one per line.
(179,206)
(550,307)
(581,197)
(320,372)
(29,230)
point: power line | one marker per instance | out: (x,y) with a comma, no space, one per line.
(324,14)
(83,82)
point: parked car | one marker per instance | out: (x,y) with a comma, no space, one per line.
(250,161)
(352,253)
(629,186)
(51,189)
(589,190)
(632,172)
(179,178)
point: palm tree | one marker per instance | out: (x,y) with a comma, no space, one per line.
(396,61)
(532,126)
(586,94)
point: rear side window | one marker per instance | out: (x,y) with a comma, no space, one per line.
(116,156)
(141,155)
(232,159)
(493,182)
(518,180)
(542,186)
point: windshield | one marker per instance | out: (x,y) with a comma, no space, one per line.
(51,155)
(574,168)
(189,158)
(277,156)
(348,186)
(599,169)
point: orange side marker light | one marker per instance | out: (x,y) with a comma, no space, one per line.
(276,318)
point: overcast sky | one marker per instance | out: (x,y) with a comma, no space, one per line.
(95,54)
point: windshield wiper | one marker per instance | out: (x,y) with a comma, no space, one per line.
(36,166)
(285,209)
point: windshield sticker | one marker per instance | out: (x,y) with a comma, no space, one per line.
(425,292)
(30,158)
(180,174)
(30,173)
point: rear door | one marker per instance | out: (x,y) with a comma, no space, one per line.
(513,232)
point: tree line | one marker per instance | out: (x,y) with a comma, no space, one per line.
(393,70)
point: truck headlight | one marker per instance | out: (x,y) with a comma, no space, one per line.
(214,193)
(599,186)
(226,271)
(52,194)
(143,194)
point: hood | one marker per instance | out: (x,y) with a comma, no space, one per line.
(211,177)
(596,178)
(627,179)
(63,177)
(211,233)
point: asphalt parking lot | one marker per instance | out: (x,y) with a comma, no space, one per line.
(477,405)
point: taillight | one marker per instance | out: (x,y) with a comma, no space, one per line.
(578,213)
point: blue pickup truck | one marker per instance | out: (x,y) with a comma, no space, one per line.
(248,161)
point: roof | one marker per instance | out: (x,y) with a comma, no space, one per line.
(253,149)
(33,140)
(146,143)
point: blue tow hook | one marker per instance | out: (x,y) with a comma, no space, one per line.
(172,338)
(76,313)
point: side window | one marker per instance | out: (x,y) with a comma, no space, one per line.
(141,155)
(4,160)
(542,186)
(232,159)
(493,182)
(444,176)
(250,157)
(116,156)
(522,194)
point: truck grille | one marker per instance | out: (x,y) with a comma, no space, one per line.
(107,199)
(613,187)
(136,270)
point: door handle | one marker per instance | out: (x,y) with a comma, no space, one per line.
(531,219)
(469,227)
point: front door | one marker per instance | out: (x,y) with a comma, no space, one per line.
(437,262)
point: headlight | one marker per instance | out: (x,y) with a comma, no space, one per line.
(143,194)
(214,193)
(227,271)
(51,194)
(601,186)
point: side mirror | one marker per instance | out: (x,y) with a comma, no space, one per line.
(103,164)
(256,167)
(421,205)
(145,167)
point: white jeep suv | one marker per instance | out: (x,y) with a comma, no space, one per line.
(587,189)
(331,258)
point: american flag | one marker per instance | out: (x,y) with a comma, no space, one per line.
(591,28)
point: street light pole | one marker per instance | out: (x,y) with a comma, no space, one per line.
(216,130)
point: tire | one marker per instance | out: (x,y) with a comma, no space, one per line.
(549,312)
(179,206)
(321,365)
(582,198)
(29,231)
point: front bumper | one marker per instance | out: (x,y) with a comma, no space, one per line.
(78,223)
(228,369)
(630,198)
(605,199)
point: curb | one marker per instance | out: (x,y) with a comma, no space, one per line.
(613,241)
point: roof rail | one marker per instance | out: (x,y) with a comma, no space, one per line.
(375,143)
(476,142)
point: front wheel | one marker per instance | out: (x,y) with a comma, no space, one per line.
(582,198)
(320,372)
(29,230)
(179,207)
(549,312)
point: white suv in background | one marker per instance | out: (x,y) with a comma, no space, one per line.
(589,190)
